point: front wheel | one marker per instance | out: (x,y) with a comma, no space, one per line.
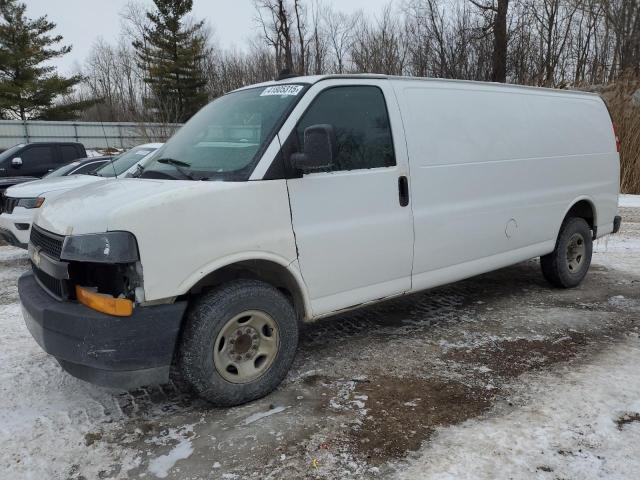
(238,342)
(568,264)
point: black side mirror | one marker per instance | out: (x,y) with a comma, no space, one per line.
(320,149)
(16,162)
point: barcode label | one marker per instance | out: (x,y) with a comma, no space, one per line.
(282,90)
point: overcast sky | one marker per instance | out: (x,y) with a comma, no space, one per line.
(81,22)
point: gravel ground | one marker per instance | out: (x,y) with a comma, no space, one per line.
(498,376)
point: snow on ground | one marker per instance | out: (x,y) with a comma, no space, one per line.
(629,201)
(620,251)
(41,408)
(161,465)
(571,425)
(8,254)
(48,411)
(333,414)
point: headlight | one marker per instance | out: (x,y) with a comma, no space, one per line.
(30,202)
(109,247)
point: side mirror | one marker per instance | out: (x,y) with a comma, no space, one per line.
(16,162)
(320,149)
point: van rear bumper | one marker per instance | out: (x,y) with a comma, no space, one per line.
(117,352)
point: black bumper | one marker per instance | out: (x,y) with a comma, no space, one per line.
(118,352)
(11,239)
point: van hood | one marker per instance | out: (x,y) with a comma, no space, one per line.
(39,188)
(114,205)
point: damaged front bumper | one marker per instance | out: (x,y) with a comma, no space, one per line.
(117,352)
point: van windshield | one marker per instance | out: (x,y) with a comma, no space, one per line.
(225,139)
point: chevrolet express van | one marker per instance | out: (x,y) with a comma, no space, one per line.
(288,201)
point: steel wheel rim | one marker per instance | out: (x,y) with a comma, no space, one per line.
(246,346)
(576,250)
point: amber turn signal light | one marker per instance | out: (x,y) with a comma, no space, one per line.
(120,307)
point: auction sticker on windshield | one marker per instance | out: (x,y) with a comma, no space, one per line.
(282,90)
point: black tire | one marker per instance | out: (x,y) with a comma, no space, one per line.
(205,320)
(556,267)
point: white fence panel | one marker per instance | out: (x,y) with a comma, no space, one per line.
(91,134)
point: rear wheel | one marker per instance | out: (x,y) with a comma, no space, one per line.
(568,264)
(238,342)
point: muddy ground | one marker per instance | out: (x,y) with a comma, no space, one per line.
(367,394)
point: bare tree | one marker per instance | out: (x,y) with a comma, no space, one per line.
(340,28)
(275,20)
(497,12)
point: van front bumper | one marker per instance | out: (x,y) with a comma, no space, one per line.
(117,352)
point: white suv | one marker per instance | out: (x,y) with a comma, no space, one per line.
(21,202)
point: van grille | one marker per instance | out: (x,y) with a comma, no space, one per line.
(50,243)
(7,204)
(54,286)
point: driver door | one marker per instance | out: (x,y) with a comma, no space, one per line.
(353,228)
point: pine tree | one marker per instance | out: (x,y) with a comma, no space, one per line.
(172,55)
(29,87)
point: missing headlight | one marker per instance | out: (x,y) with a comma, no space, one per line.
(118,280)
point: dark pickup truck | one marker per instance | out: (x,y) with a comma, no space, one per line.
(34,160)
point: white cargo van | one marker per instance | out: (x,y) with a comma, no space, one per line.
(288,201)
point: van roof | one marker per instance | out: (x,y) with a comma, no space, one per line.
(312,79)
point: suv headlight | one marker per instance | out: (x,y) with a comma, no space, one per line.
(30,202)
(109,247)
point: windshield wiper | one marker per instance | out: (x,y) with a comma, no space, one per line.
(138,172)
(179,165)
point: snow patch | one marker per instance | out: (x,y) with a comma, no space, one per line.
(629,201)
(582,439)
(8,254)
(161,465)
(47,415)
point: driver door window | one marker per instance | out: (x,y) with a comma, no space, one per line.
(360,120)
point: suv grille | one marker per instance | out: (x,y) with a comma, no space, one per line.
(50,243)
(7,204)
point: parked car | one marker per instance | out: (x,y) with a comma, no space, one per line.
(38,159)
(6,182)
(20,203)
(83,166)
(289,201)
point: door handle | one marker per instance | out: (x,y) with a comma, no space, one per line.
(403,190)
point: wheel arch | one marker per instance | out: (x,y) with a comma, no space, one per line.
(269,269)
(582,207)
